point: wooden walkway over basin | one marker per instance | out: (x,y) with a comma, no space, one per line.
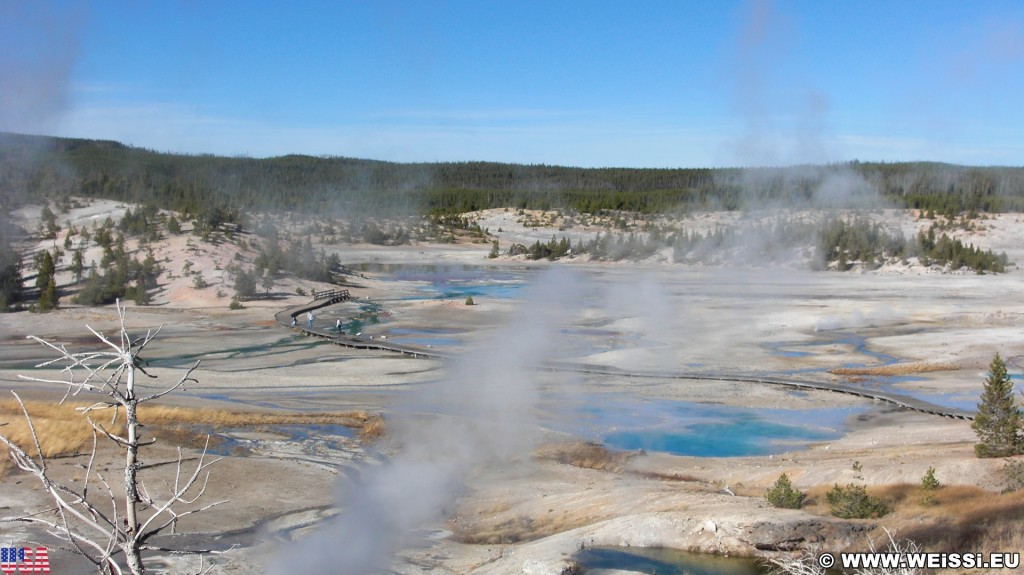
(331,297)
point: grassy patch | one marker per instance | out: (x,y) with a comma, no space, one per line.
(958,517)
(585,455)
(373,429)
(894,369)
(659,476)
(968,518)
(61,430)
(64,431)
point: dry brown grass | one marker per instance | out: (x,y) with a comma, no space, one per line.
(586,455)
(660,476)
(61,430)
(373,429)
(961,518)
(743,490)
(64,431)
(894,369)
(969,518)
(159,414)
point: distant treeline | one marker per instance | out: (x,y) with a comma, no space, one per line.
(218,188)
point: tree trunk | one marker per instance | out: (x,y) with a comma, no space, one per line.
(131,544)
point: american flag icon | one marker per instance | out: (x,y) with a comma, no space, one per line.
(24,560)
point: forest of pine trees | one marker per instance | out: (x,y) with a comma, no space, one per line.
(216,189)
(118,275)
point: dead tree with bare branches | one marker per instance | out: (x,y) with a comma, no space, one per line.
(93,524)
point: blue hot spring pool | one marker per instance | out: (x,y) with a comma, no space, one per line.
(655,561)
(456,281)
(703,430)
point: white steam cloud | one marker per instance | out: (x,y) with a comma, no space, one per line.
(784,121)
(38,50)
(483,414)
(644,308)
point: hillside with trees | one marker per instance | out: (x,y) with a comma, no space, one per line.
(217,189)
(234,201)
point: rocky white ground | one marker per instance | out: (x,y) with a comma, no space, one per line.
(654,316)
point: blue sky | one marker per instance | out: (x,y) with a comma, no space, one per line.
(584,83)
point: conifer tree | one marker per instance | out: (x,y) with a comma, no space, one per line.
(47,283)
(77,265)
(783,494)
(998,421)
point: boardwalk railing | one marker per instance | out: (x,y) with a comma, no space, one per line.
(331,294)
(320,299)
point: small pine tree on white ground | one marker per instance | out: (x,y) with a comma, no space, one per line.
(998,421)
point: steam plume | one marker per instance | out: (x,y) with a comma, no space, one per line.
(38,46)
(482,414)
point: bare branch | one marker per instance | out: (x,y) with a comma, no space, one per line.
(117,348)
(901,548)
(55,490)
(62,531)
(142,370)
(81,361)
(181,382)
(150,336)
(97,405)
(117,438)
(88,468)
(77,540)
(805,563)
(117,531)
(178,495)
(32,430)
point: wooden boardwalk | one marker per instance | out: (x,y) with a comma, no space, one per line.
(324,299)
(320,299)
(364,342)
(899,400)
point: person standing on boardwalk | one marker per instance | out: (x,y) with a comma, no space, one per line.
(337,325)
(309,320)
